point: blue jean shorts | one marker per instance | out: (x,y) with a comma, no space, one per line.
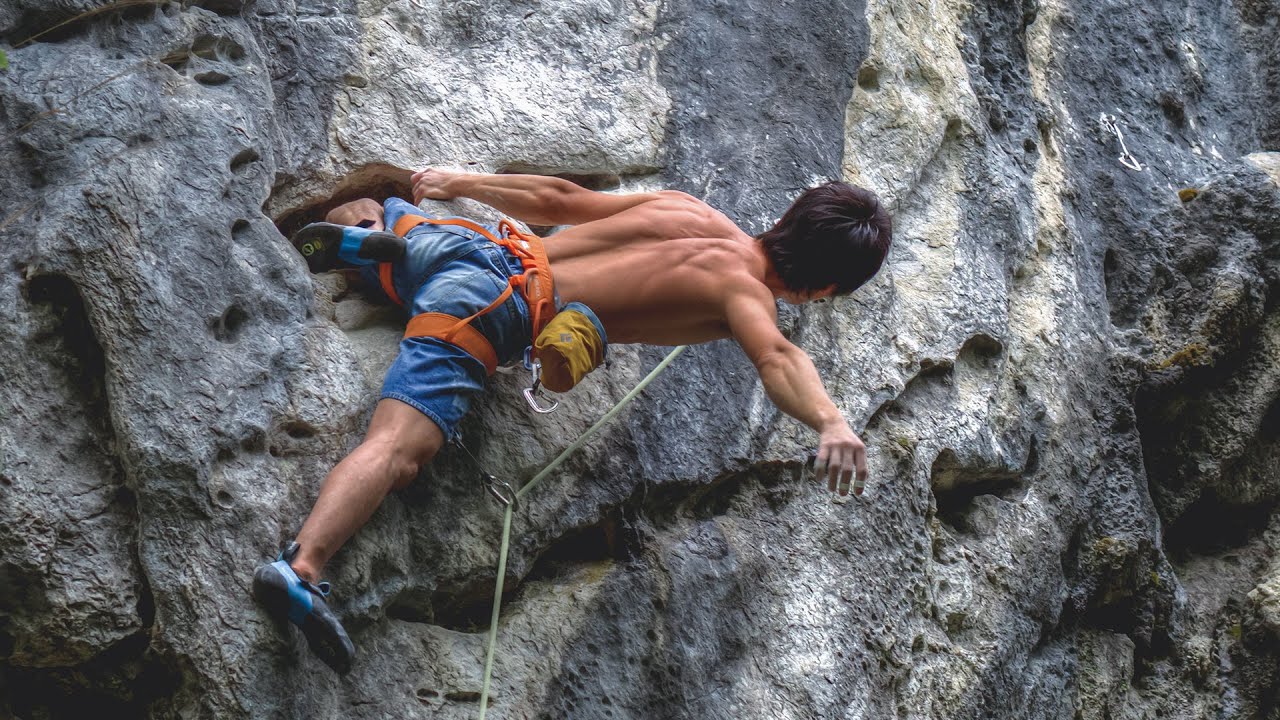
(450,269)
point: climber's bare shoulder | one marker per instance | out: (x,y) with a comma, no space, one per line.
(660,272)
(652,217)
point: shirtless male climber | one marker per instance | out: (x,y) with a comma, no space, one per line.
(662,268)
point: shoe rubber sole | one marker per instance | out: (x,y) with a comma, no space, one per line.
(324,633)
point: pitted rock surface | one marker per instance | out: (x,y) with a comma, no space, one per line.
(1066,374)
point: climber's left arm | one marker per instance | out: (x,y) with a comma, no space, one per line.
(534,199)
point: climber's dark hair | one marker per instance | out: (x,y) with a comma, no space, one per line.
(834,234)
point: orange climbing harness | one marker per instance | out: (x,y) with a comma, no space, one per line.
(535,286)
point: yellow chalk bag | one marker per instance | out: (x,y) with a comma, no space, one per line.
(572,345)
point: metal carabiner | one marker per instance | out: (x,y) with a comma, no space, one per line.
(500,490)
(531,396)
(532,393)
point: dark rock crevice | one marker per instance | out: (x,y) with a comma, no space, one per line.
(1212,523)
(1206,408)
(377,180)
(124,678)
(958,485)
(125,681)
(466,607)
(69,343)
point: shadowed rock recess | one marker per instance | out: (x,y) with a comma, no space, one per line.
(1066,374)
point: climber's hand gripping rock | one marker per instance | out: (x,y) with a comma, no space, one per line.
(841,454)
(432,184)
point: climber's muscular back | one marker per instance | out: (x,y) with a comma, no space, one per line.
(658,272)
(666,268)
(657,267)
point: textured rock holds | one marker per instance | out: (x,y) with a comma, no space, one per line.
(1065,375)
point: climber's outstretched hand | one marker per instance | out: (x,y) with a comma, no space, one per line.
(841,457)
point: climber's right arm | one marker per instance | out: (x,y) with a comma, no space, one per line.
(792,383)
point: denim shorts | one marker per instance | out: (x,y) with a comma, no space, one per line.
(450,269)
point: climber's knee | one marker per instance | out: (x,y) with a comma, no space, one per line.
(404,438)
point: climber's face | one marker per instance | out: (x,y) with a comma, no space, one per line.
(800,297)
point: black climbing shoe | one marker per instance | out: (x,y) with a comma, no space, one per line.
(285,595)
(324,244)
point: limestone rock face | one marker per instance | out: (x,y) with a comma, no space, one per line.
(1066,374)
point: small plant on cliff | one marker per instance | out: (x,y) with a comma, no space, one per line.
(1193,355)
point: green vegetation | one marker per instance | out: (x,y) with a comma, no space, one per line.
(4,61)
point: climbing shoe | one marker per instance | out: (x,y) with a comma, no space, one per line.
(285,595)
(323,245)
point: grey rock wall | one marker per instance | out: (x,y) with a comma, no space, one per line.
(1066,375)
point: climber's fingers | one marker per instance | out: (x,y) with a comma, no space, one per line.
(841,453)
(860,460)
(846,477)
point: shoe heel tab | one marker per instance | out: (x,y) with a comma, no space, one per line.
(289,552)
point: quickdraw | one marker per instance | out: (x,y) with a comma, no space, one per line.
(1126,158)
(501,490)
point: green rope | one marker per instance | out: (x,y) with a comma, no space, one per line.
(497,608)
(506,517)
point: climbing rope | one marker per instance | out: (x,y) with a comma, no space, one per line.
(510,509)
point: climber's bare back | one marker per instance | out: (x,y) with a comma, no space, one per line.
(659,272)
(666,268)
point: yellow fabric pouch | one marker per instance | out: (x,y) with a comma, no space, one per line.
(570,346)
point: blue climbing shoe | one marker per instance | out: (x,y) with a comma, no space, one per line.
(323,245)
(285,595)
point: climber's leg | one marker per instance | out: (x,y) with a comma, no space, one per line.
(400,441)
